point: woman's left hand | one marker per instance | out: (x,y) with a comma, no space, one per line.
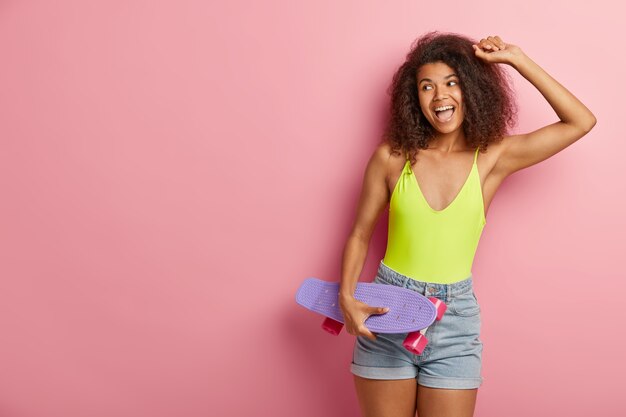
(494,51)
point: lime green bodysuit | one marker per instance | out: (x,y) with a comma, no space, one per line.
(436,246)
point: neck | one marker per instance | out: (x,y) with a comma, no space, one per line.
(449,142)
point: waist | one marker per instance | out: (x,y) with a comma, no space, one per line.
(451,289)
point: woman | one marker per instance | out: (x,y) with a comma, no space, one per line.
(448,101)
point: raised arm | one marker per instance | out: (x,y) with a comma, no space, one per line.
(521,151)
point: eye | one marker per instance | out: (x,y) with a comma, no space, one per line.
(428,85)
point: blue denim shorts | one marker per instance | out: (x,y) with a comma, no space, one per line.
(452,358)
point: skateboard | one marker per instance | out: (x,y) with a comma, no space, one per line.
(409,311)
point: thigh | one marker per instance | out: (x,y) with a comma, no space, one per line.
(439,402)
(453,359)
(386,397)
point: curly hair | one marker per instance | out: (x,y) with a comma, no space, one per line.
(488,99)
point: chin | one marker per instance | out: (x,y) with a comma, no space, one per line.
(447,129)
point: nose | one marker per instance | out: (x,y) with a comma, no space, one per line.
(440,94)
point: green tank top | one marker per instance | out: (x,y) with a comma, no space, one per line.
(435,246)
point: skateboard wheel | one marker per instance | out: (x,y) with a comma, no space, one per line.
(332,326)
(415,342)
(440,305)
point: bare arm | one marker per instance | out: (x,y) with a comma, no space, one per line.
(373,199)
(576,120)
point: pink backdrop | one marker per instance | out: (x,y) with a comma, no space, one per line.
(171,172)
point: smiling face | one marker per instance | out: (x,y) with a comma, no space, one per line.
(438,86)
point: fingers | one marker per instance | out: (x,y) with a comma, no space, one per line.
(361,329)
(499,42)
(379,310)
(492,43)
(367,333)
(364,331)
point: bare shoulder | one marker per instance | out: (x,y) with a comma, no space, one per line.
(378,164)
(374,193)
(392,160)
(382,152)
(388,161)
(385,149)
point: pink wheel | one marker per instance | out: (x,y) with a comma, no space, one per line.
(440,305)
(332,326)
(415,342)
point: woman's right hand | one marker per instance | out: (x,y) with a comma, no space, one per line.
(355,313)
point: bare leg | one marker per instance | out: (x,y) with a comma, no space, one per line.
(436,402)
(386,398)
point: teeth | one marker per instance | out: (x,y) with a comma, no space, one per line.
(443,108)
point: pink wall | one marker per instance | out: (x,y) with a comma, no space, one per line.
(170,173)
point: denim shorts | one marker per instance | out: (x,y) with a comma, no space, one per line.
(452,358)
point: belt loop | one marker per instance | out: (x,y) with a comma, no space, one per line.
(405,281)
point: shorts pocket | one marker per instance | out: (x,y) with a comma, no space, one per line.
(465,305)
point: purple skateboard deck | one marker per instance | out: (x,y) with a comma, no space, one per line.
(409,311)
